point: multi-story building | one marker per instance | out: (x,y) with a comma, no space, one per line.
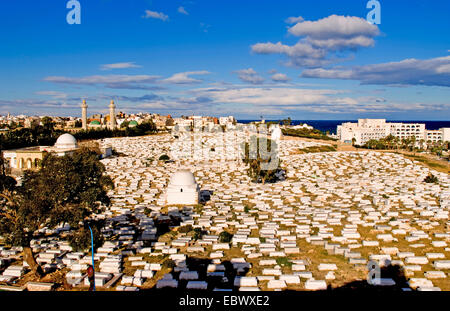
(367,129)
(408,130)
(363,131)
(433,136)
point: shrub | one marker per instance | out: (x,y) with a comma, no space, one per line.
(185,229)
(164,157)
(284,261)
(431,179)
(225,237)
(168,263)
(197,233)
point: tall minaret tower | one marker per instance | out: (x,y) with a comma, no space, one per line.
(84,107)
(112,115)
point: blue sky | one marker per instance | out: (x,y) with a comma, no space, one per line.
(303,59)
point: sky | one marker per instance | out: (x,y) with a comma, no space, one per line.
(308,60)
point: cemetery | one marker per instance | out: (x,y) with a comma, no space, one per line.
(315,230)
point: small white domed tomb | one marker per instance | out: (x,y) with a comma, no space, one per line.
(182,189)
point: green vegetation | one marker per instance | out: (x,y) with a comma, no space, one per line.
(435,164)
(168,264)
(46,135)
(145,128)
(324,148)
(307,133)
(262,160)
(66,190)
(197,234)
(284,262)
(431,179)
(409,144)
(185,229)
(225,237)
(164,157)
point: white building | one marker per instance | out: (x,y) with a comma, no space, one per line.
(367,129)
(407,130)
(30,157)
(433,136)
(228,121)
(445,133)
(182,189)
(363,131)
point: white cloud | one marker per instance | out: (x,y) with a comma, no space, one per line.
(301,54)
(431,72)
(156,15)
(286,100)
(54,94)
(124,65)
(280,77)
(250,76)
(182,10)
(294,20)
(109,81)
(335,26)
(320,40)
(105,79)
(184,77)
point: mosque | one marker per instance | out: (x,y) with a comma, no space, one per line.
(29,158)
(182,189)
(111,119)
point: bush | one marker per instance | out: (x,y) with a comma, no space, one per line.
(431,179)
(164,157)
(185,229)
(225,237)
(168,263)
(197,233)
(284,261)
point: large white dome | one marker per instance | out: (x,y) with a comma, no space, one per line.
(66,141)
(182,178)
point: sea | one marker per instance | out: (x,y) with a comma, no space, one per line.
(331,125)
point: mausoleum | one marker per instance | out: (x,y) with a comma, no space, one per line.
(182,189)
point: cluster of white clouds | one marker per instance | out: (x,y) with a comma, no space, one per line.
(144,82)
(321,44)
(162,16)
(430,72)
(156,15)
(320,40)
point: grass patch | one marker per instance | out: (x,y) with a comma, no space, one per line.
(315,149)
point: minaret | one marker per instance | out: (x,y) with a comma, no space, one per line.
(112,115)
(84,107)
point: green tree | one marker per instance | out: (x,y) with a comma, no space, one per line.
(66,189)
(259,155)
(47,123)
(287,121)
